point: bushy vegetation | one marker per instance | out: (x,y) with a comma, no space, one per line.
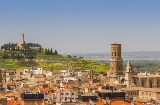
(145,65)
(27,50)
(141,65)
(12,51)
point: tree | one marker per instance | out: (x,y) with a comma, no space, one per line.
(51,52)
(55,53)
(2,47)
(45,51)
(48,52)
(40,49)
(18,49)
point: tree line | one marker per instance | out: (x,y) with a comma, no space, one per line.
(27,50)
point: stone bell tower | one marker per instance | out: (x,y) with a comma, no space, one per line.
(116,61)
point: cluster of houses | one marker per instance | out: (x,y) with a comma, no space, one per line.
(35,86)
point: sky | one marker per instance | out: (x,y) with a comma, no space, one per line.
(82,26)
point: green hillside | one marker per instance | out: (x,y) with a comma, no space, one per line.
(51,62)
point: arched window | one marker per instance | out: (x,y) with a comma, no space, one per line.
(135,82)
(122,81)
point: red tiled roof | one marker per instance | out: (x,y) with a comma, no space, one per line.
(14,102)
(10,84)
(44,90)
(67,86)
(51,87)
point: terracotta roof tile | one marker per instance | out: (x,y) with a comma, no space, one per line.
(44,90)
(10,84)
(14,102)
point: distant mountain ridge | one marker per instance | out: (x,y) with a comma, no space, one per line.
(141,55)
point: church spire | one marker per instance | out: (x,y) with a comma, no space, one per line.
(128,74)
(129,67)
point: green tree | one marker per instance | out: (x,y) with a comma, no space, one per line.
(55,53)
(51,52)
(46,53)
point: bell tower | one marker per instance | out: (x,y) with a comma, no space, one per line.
(116,61)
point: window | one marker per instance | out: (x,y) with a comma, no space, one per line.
(158,84)
(72,93)
(142,83)
(146,93)
(150,83)
(61,93)
(67,93)
(142,93)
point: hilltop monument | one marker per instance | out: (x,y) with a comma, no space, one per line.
(22,42)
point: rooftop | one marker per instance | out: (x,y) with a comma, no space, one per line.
(116,43)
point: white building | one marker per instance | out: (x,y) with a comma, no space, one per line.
(48,74)
(66,79)
(35,70)
(64,73)
(71,72)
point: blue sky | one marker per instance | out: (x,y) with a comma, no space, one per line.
(82,26)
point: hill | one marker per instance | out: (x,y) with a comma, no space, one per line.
(50,62)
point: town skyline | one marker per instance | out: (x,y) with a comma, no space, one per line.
(82,26)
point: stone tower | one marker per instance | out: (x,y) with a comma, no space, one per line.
(128,74)
(22,38)
(91,75)
(22,41)
(116,61)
